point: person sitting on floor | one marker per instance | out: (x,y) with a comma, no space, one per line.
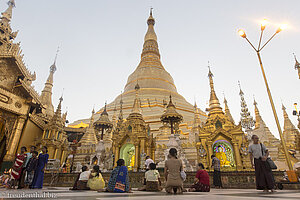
(82,179)
(201,182)
(119,179)
(152,177)
(96,181)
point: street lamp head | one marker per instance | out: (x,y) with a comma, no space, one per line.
(242,33)
(263,24)
(281,27)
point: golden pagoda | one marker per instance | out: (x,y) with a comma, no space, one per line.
(54,136)
(132,139)
(156,85)
(219,136)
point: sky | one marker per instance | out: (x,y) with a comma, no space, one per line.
(101,41)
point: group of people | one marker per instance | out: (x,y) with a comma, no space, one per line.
(27,170)
(119,178)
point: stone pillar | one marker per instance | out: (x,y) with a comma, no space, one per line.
(148,152)
(143,145)
(117,155)
(14,142)
(51,151)
(210,152)
(238,158)
(153,154)
(137,155)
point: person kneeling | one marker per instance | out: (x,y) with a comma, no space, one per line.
(201,183)
(119,179)
(152,177)
(96,181)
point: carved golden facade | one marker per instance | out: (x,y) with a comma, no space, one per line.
(23,112)
(219,136)
(132,139)
(54,136)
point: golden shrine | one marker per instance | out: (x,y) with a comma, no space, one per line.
(219,136)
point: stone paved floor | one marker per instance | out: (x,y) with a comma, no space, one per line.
(222,194)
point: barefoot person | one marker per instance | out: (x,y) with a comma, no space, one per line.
(201,182)
(38,178)
(30,169)
(217,173)
(152,178)
(95,181)
(173,167)
(263,174)
(18,166)
(119,179)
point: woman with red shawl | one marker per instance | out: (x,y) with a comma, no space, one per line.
(17,167)
(201,183)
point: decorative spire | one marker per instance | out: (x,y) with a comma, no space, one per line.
(7,15)
(90,137)
(258,118)
(297,65)
(289,130)
(214,104)
(136,104)
(121,109)
(247,121)
(227,111)
(46,96)
(150,40)
(197,120)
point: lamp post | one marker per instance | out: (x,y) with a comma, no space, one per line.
(258,50)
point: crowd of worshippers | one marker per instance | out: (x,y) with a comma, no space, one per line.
(119,179)
(27,170)
(175,176)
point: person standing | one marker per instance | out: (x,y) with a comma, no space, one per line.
(18,166)
(173,167)
(147,162)
(263,173)
(38,179)
(217,172)
(23,172)
(30,168)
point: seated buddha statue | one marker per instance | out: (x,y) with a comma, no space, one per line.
(220,154)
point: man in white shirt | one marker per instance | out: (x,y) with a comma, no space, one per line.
(263,174)
(82,179)
(148,161)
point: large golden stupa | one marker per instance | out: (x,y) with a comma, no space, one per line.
(156,85)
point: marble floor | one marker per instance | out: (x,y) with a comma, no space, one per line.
(221,194)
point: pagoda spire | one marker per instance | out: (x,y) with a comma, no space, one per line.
(121,109)
(197,120)
(289,130)
(214,104)
(247,121)
(150,41)
(90,137)
(227,111)
(136,104)
(7,14)
(46,96)
(297,65)
(258,118)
